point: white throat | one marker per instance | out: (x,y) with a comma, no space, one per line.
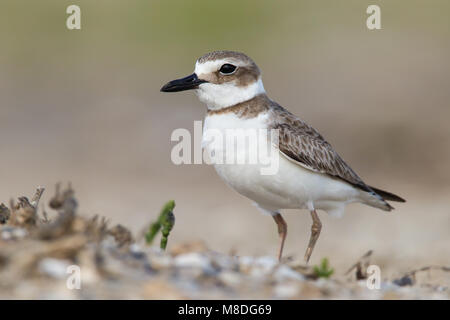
(218,96)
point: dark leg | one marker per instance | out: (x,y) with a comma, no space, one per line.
(282,231)
(315,232)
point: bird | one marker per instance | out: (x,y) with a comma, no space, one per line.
(310,174)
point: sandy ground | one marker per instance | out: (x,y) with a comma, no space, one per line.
(67,256)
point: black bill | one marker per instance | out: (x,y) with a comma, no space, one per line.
(186,83)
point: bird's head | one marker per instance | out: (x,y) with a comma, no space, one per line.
(221,79)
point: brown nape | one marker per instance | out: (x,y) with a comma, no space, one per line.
(247,109)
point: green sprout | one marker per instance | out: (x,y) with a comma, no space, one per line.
(324,270)
(165,223)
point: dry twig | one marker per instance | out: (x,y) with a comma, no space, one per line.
(361,266)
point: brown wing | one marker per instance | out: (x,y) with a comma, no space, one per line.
(303,144)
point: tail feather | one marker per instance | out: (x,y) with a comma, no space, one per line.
(375,200)
(387,195)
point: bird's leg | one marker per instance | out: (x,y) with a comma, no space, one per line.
(315,232)
(282,231)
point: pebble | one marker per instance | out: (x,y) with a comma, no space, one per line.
(232,279)
(286,290)
(285,273)
(194,260)
(12,233)
(55,268)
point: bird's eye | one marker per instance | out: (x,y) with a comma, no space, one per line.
(227,69)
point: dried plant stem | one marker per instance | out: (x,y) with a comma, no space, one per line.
(37,196)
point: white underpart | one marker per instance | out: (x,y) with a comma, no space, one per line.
(218,96)
(291,187)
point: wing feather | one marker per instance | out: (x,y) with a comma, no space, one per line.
(304,145)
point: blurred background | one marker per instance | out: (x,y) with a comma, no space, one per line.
(84,106)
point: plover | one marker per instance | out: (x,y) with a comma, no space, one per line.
(311,175)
